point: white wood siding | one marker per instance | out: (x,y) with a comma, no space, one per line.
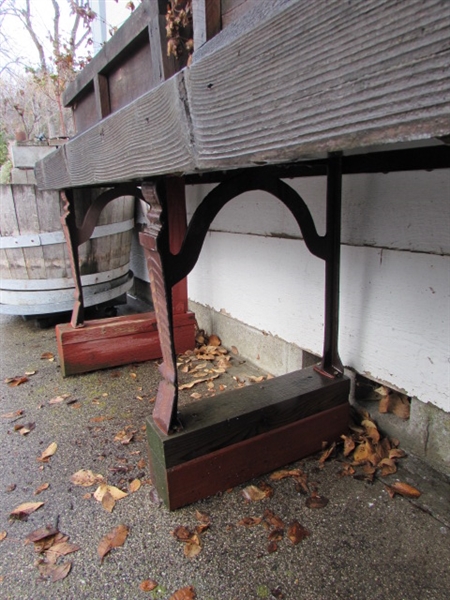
(395,281)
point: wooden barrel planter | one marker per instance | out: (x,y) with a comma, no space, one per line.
(35,275)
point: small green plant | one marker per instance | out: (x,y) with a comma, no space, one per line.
(3,148)
(5,172)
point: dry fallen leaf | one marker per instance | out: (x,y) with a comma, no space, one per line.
(113,539)
(99,419)
(48,356)
(59,399)
(60,549)
(371,430)
(13,415)
(48,452)
(349,444)
(86,478)
(404,489)
(347,470)
(283,473)
(364,453)
(273,520)
(125,436)
(254,493)
(134,486)
(296,532)
(54,572)
(187,593)
(148,585)
(113,491)
(24,429)
(15,381)
(188,386)
(399,405)
(41,488)
(327,453)
(387,466)
(250,521)
(3,534)
(202,517)
(393,402)
(192,546)
(25,509)
(181,533)
(276,535)
(316,501)
(41,533)
(255,379)
(213,340)
(108,502)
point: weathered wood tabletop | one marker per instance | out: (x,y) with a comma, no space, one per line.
(289,80)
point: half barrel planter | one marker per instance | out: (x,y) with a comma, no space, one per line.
(35,274)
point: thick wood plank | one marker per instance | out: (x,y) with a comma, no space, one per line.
(246,412)
(104,343)
(120,148)
(370,73)
(239,462)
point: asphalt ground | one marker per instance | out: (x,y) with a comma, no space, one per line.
(362,545)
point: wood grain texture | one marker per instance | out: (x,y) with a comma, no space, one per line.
(209,425)
(12,261)
(152,130)
(105,343)
(368,73)
(218,471)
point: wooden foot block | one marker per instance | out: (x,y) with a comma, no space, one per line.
(104,343)
(245,433)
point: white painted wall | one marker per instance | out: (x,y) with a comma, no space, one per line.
(395,275)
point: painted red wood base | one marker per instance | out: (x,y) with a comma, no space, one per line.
(238,463)
(227,454)
(104,343)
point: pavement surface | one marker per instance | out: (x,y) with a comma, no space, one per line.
(362,545)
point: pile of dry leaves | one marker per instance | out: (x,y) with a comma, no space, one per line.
(207,363)
(366,454)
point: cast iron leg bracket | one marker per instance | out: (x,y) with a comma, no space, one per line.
(166,269)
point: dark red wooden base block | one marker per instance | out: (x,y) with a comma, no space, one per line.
(226,456)
(104,343)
